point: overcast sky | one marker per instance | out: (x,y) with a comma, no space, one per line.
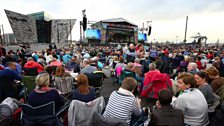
(167,16)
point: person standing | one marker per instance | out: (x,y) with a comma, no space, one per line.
(131,53)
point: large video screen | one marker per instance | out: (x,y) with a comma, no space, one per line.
(93,34)
(142,37)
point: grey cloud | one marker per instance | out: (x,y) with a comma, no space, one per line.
(168,9)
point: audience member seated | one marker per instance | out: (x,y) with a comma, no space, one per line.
(19,66)
(32,64)
(62,80)
(217,82)
(154,81)
(87,68)
(206,89)
(83,93)
(191,102)
(55,62)
(128,71)
(137,62)
(7,78)
(43,94)
(137,67)
(218,63)
(60,72)
(165,114)
(122,103)
(73,65)
(121,63)
(192,68)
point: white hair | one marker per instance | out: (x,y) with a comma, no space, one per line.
(194,65)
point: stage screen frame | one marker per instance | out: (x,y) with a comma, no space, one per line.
(93,34)
(142,37)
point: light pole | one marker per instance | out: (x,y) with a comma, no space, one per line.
(185,30)
(3,35)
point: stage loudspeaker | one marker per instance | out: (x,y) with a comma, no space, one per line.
(149,30)
(84,21)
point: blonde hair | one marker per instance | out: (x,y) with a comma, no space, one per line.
(42,80)
(115,58)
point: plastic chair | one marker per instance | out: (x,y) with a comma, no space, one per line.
(41,115)
(29,83)
(81,113)
(63,84)
(30,71)
(96,80)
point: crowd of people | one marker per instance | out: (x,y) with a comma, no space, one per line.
(158,85)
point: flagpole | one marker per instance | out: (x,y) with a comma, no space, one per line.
(3,36)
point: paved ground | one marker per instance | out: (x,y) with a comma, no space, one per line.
(108,87)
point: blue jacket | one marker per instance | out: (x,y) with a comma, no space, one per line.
(7,77)
(66,58)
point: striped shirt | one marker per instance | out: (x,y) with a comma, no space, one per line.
(122,106)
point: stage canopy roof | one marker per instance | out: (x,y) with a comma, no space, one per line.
(118,20)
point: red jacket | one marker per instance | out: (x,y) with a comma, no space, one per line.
(154,81)
(33,64)
(199,65)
